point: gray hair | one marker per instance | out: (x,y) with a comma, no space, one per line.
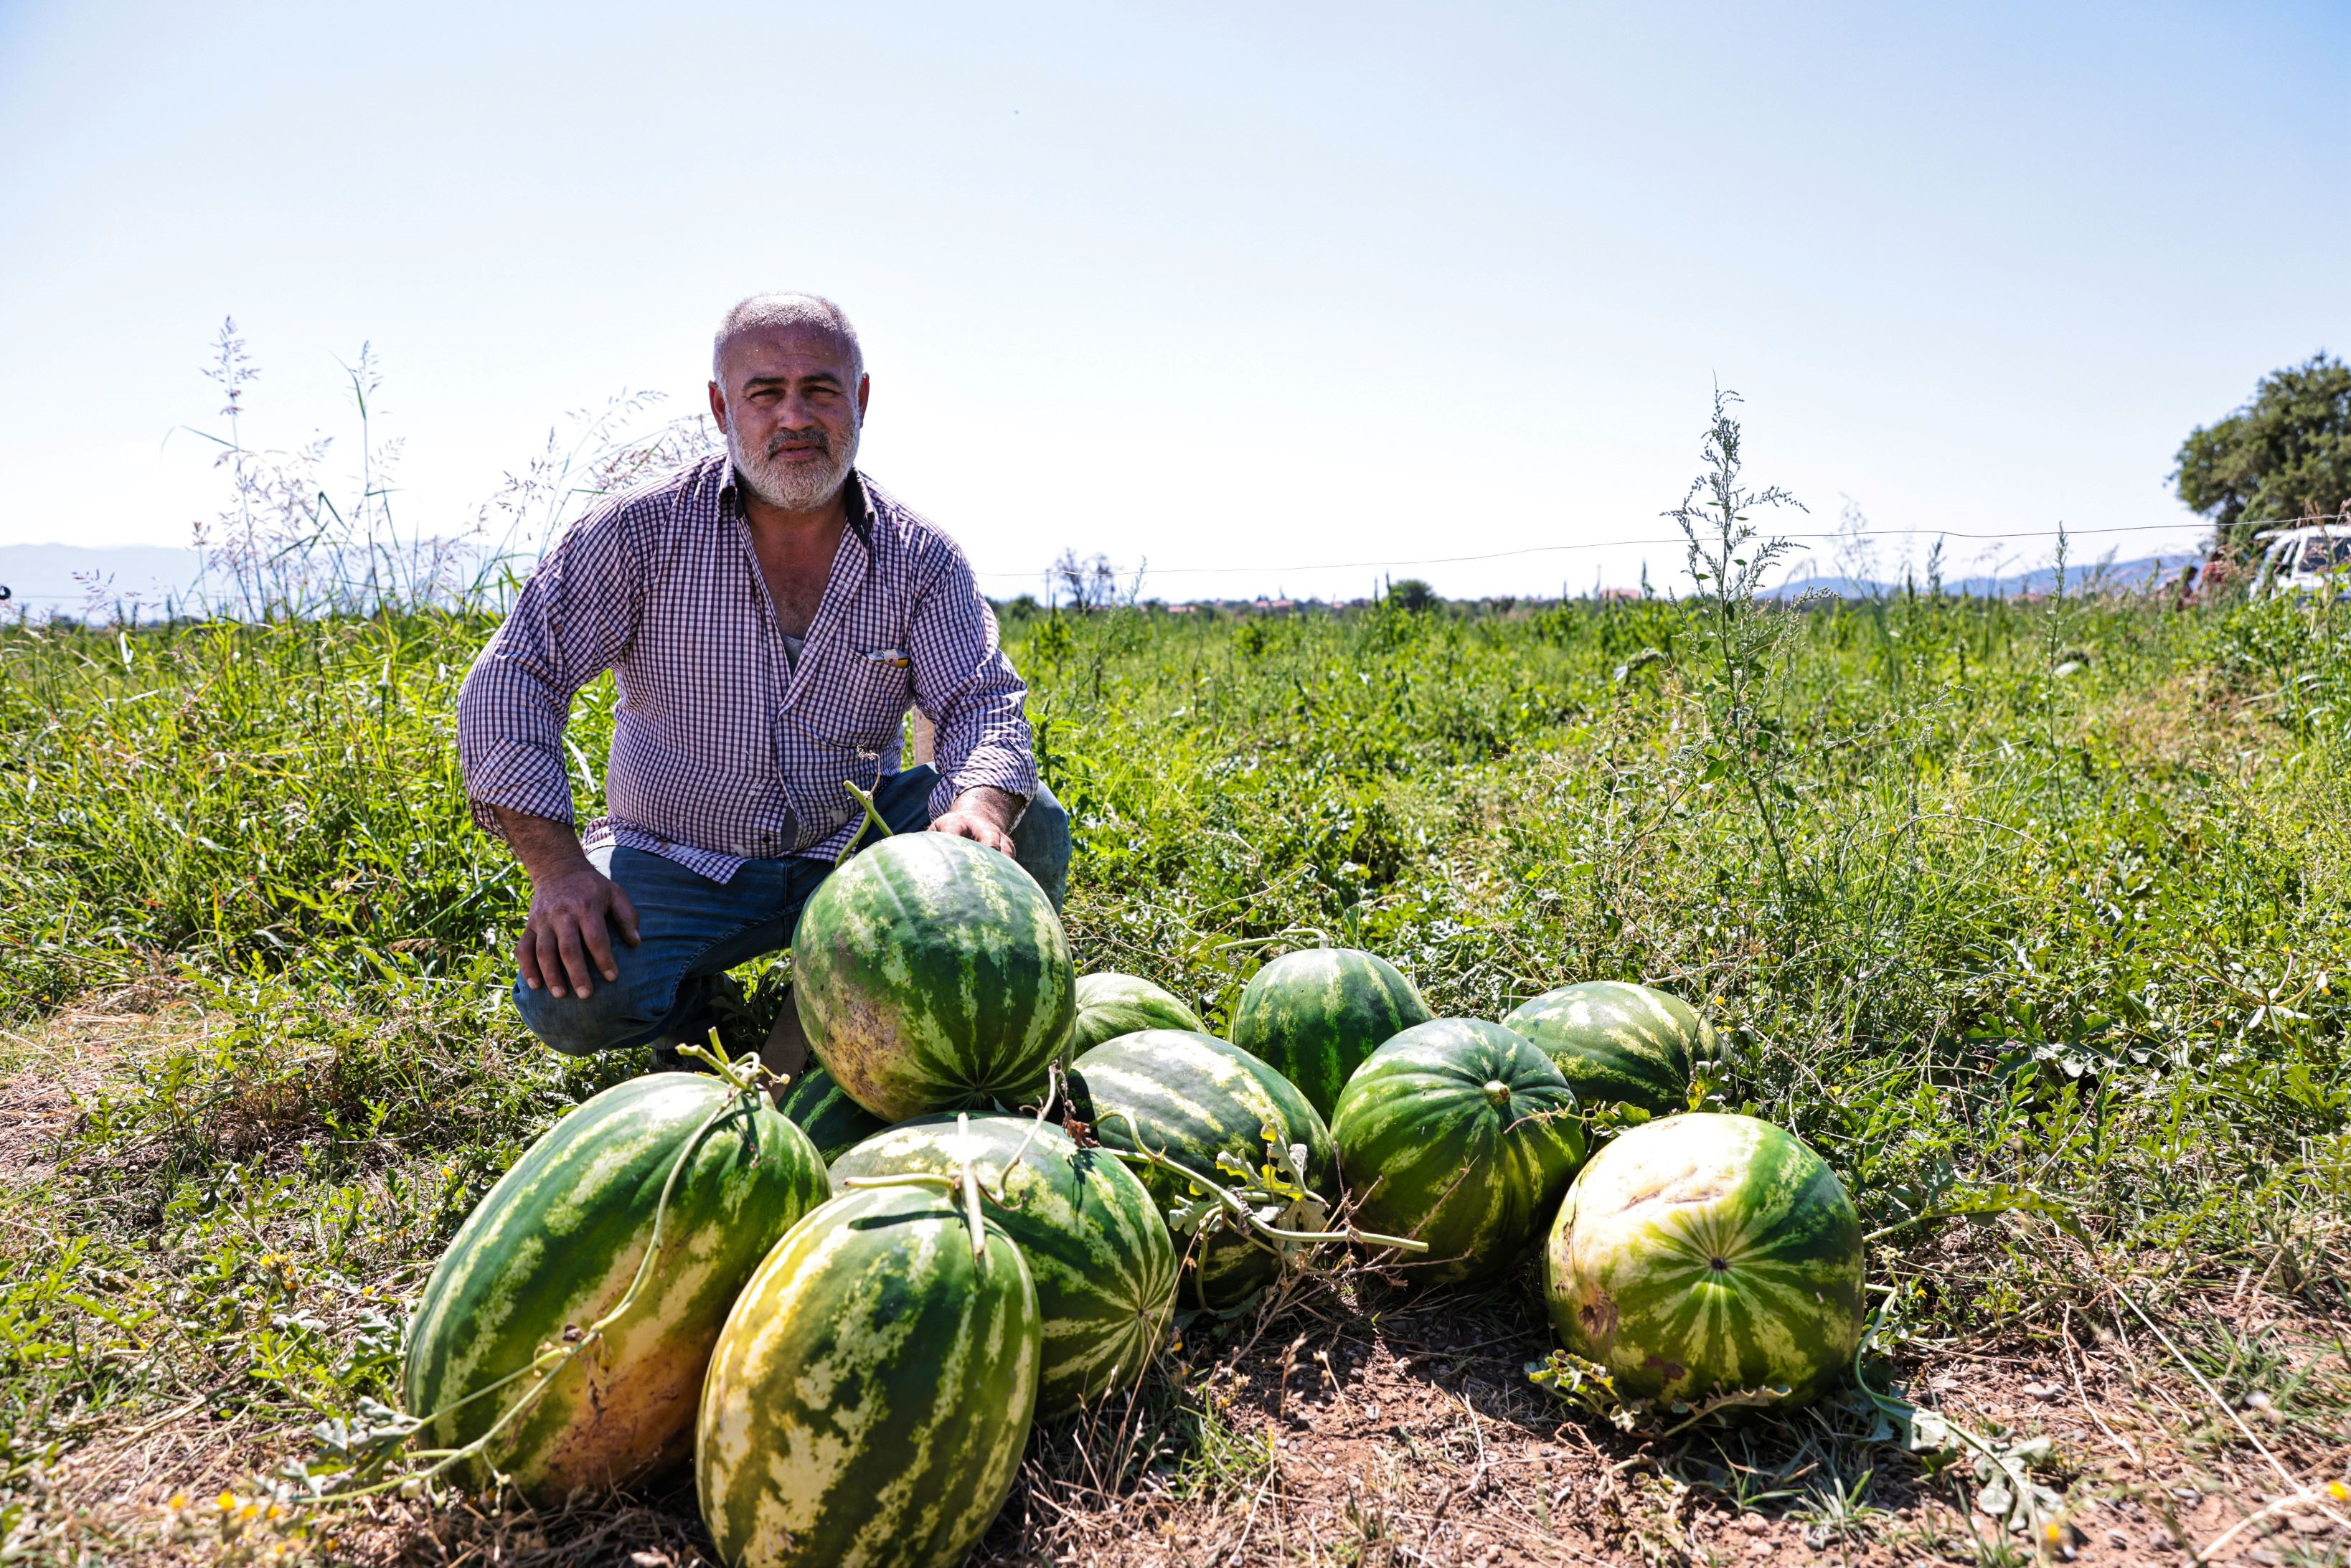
(762,311)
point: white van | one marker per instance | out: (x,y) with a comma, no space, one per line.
(2301,560)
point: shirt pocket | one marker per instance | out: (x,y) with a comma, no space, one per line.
(862,694)
(880,689)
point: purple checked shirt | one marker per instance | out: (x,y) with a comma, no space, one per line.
(725,748)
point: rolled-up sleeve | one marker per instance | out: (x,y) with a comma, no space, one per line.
(573,620)
(968,690)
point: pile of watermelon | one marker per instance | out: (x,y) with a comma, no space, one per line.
(849,1300)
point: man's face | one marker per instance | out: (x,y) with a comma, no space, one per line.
(792,403)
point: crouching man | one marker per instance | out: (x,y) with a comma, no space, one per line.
(769,616)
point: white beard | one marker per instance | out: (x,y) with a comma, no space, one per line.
(794,488)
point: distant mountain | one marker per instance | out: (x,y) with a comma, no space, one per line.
(50,579)
(2079,578)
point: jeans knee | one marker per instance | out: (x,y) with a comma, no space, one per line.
(610,1018)
(1040,842)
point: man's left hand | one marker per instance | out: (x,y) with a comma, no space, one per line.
(984,814)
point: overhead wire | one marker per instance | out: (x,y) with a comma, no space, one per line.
(1640,543)
(1998,536)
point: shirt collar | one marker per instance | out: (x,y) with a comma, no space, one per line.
(860,503)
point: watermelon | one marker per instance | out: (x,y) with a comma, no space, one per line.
(1620,1043)
(834,1122)
(872,1391)
(1462,1135)
(1317,1014)
(931,974)
(1110,1005)
(1103,1263)
(555,1246)
(1192,1095)
(1708,1254)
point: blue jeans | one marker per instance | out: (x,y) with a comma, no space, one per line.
(691,929)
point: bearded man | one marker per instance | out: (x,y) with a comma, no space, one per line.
(769,617)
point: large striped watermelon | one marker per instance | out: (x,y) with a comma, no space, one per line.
(1092,1238)
(1192,1096)
(932,975)
(834,1122)
(870,1399)
(553,1247)
(1462,1135)
(1110,1005)
(1619,1043)
(1708,1254)
(1316,1015)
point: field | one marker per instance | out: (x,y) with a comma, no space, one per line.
(2034,918)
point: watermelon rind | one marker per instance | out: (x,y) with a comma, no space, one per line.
(554,1246)
(871,1393)
(1460,1134)
(833,1122)
(1317,1014)
(1192,1096)
(1091,1233)
(931,974)
(1619,1043)
(1706,1254)
(1111,1004)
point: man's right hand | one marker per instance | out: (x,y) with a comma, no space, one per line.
(566,941)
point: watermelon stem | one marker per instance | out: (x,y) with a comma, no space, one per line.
(1054,1086)
(944,1183)
(1234,1206)
(1321,938)
(742,1074)
(963,1188)
(866,799)
(970,1189)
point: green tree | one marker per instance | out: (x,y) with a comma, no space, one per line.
(1412,594)
(2286,454)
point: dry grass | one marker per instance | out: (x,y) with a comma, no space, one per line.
(48,1074)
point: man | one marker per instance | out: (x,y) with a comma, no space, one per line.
(768,615)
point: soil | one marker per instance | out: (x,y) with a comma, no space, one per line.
(1411,1436)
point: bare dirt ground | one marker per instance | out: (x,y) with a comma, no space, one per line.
(1417,1439)
(1362,1425)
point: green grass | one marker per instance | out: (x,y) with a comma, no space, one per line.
(2066,903)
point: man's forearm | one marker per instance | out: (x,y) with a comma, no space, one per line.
(547,847)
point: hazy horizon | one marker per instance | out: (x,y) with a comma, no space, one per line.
(1215,287)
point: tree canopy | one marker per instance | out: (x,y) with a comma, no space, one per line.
(1411,593)
(2285,454)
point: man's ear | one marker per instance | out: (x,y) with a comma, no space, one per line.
(865,393)
(718,407)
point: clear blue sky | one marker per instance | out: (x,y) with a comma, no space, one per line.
(1220,285)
